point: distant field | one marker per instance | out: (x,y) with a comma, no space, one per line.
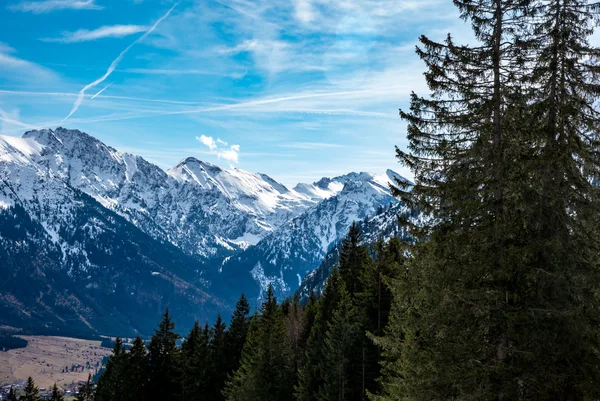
(45,359)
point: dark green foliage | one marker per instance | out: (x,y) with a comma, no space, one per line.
(236,335)
(318,351)
(218,358)
(311,376)
(341,361)
(112,383)
(136,371)
(500,297)
(265,372)
(164,362)
(197,364)
(86,391)
(30,392)
(57,394)
(342,347)
(354,256)
(12,394)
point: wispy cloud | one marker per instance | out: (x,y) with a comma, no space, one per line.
(220,148)
(5,48)
(311,145)
(17,68)
(85,35)
(116,62)
(46,6)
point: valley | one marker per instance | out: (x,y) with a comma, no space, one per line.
(48,360)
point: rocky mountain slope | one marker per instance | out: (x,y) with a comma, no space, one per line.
(299,246)
(197,206)
(99,240)
(72,266)
(383,225)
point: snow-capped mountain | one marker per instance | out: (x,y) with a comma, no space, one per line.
(197,206)
(383,225)
(72,266)
(100,240)
(257,203)
(285,256)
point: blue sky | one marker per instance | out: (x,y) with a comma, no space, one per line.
(297,89)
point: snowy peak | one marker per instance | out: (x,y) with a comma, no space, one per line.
(254,193)
(19,150)
(297,247)
(44,137)
(328,187)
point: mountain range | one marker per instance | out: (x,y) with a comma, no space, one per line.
(94,240)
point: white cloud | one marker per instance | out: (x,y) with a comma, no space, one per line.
(84,35)
(219,148)
(46,6)
(208,141)
(304,11)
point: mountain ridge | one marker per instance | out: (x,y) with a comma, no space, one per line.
(233,231)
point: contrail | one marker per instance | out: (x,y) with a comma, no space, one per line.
(115,63)
(101,90)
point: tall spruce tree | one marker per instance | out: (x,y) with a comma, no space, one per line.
(164,362)
(244,383)
(353,257)
(236,335)
(196,360)
(499,300)
(295,324)
(31,392)
(342,353)
(85,391)
(563,307)
(136,372)
(12,394)
(311,377)
(218,355)
(111,385)
(57,394)
(265,372)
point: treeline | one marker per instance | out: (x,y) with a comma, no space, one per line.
(316,351)
(31,392)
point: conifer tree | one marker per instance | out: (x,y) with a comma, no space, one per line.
(12,394)
(136,372)
(265,372)
(353,256)
(86,391)
(311,375)
(236,335)
(57,395)
(30,392)
(196,356)
(495,302)
(112,383)
(164,362)
(342,344)
(244,383)
(295,324)
(218,355)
